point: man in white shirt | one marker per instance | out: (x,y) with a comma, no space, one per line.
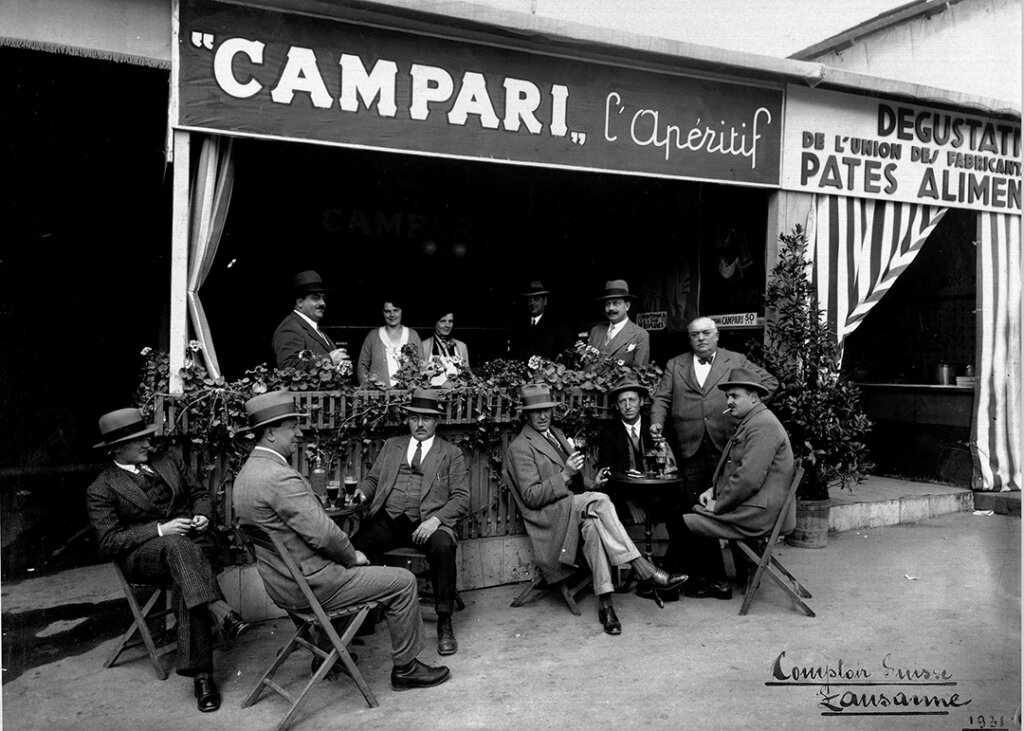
(619,338)
(418,491)
(540,335)
(689,396)
(299,340)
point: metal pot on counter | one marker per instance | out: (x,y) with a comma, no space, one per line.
(945,375)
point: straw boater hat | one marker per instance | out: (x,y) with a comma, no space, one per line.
(424,401)
(536,396)
(308,282)
(270,407)
(121,426)
(616,289)
(744,379)
(626,384)
(536,288)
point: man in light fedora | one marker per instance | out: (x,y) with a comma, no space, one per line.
(543,470)
(541,334)
(749,487)
(153,518)
(417,492)
(270,494)
(620,338)
(300,331)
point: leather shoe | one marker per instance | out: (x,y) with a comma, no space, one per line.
(207,695)
(717,590)
(611,624)
(664,580)
(418,675)
(234,626)
(446,642)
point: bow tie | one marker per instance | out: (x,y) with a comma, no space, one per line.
(705,361)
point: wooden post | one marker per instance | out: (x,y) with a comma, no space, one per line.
(179,260)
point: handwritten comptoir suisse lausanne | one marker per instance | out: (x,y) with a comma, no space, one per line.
(469,96)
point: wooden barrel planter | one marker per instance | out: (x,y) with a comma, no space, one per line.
(811,524)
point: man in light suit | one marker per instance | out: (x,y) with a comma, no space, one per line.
(619,338)
(751,484)
(270,494)
(688,396)
(543,470)
(153,518)
(299,332)
(417,491)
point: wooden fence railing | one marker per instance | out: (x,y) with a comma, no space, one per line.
(492,511)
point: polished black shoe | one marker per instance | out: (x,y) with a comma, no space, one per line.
(704,590)
(207,695)
(234,626)
(446,642)
(606,616)
(418,675)
(664,580)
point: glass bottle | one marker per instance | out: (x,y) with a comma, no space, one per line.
(318,480)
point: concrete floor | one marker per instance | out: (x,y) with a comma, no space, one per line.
(941,596)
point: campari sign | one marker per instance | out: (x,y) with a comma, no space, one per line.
(263,73)
(871,148)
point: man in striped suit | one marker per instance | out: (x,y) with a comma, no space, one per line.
(152,517)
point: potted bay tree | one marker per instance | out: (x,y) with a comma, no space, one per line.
(821,411)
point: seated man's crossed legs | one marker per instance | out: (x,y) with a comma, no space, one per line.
(383,533)
(606,544)
(186,563)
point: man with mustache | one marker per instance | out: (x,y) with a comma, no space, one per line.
(300,331)
(619,338)
(418,491)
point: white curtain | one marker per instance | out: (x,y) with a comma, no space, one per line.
(859,248)
(211,197)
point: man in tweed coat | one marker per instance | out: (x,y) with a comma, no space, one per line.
(417,491)
(270,494)
(152,517)
(750,486)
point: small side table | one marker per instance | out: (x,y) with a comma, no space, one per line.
(347,517)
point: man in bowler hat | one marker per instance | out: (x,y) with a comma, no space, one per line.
(749,487)
(270,494)
(620,338)
(300,330)
(153,518)
(417,492)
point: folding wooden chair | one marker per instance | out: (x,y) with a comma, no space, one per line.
(306,621)
(569,587)
(759,553)
(415,561)
(160,596)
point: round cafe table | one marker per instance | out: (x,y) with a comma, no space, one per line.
(347,516)
(645,488)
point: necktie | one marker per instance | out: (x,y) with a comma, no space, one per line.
(634,437)
(323,336)
(558,447)
(417,456)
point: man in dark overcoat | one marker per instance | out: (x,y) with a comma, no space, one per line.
(542,334)
(750,486)
(417,491)
(153,518)
(543,470)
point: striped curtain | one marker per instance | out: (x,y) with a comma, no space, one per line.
(996,432)
(859,248)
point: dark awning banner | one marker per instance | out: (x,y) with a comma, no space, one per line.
(269,74)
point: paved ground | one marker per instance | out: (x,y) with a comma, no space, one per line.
(939,599)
